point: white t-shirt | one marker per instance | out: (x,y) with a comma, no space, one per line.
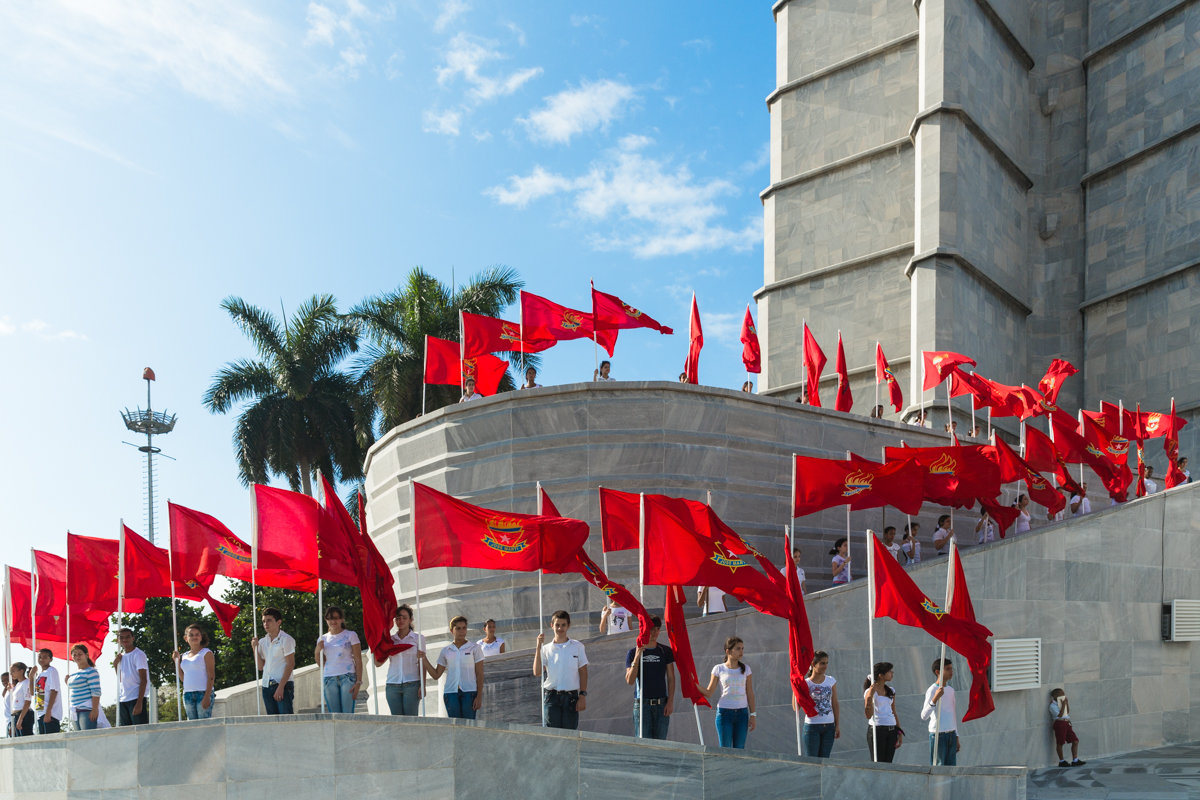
(942,536)
(949,710)
(460,666)
(894,549)
(733,685)
(913,551)
(716,600)
(47,680)
(844,575)
(822,695)
(469,398)
(19,695)
(8,707)
(274,654)
(1085,505)
(535,386)
(405,666)
(339,655)
(195,671)
(492,649)
(1022,522)
(127,675)
(800,577)
(618,620)
(602,378)
(988,532)
(885,713)
(561,663)
(1151,486)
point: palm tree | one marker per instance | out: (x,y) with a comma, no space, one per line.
(391,366)
(306,414)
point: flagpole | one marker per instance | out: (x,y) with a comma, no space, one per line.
(33,587)
(950,413)
(321,601)
(254,599)
(121,602)
(596,353)
(989,415)
(174,627)
(462,385)
(7,601)
(937,726)
(412,524)
(642,594)
(424,385)
(541,611)
(787,543)
(67,609)
(804,366)
(876,406)
(871,633)
(603,552)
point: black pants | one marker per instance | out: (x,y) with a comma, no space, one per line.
(48,727)
(886,735)
(130,718)
(26,728)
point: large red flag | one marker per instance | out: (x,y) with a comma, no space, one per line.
(800,643)
(1108,443)
(859,483)
(87,627)
(844,400)
(93,566)
(1043,456)
(609,312)
(1003,516)
(814,362)
(751,353)
(51,582)
(681,646)
(1154,425)
(1013,467)
(938,365)
(619,520)
(1075,449)
(1174,476)
(1050,384)
(1140,490)
(482,335)
(443,366)
(883,372)
(691,365)
(954,476)
(285,528)
(545,320)
(980,704)
(896,596)
(453,533)
(1004,400)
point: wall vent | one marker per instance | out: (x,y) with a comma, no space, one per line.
(1016,664)
(1184,621)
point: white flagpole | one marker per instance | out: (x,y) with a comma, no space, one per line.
(949,413)
(787,543)
(412,524)
(876,406)
(462,385)
(321,605)
(871,634)
(642,593)
(541,611)
(67,609)
(121,602)
(33,593)
(175,624)
(803,366)
(989,416)
(254,598)
(7,619)
(603,552)
(937,727)
(425,385)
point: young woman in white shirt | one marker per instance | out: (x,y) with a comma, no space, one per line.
(1023,516)
(492,644)
(841,561)
(340,652)
(405,684)
(84,690)
(461,662)
(197,671)
(22,713)
(735,708)
(821,730)
(883,728)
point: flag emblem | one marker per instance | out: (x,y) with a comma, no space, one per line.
(857,483)
(631,311)
(505,535)
(225,551)
(1046,404)
(1037,483)
(1091,448)
(888,376)
(944,465)
(1152,422)
(510,332)
(1118,445)
(932,608)
(468,367)
(570,321)
(727,561)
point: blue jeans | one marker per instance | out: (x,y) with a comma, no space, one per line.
(460,704)
(559,710)
(818,739)
(947,749)
(283,706)
(657,723)
(192,705)
(404,699)
(83,719)
(338,699)
(732,724)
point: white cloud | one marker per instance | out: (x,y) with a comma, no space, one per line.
(698,45)
(517,31)
(579,20)
(344,24)
(6,326)
(450,11)
(465,57)
(721,327)
(39,328)
(648,206)
(573,111)
(444,122)
(482,136)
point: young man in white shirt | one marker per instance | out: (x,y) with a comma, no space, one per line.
(562,666)
(461,662)
(276,659)
(943,736)
(469,393)
(1080,504)
(47,694)
(133,678)
(710,599)
(1151,485)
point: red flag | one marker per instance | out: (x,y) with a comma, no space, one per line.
(1013,467)
(980,704)
(93,565)
(691,366)
(1107,442)
(1043,456)
(87,627)
(939,363)
(681,646)
(548,321)
(1075,449)
(751,353)
(285,528)
(1050,384)
(896,596)
(452,533)
(443,366)
(1004,400)
(859,483)
(814,362)
(844,400)
(883,372)
(954,476)
(482,335)
(1174,476)
(487,370)
(1140,491)
(1155,425)
(619,520)
(609,312)
(1003,516)
(800,644)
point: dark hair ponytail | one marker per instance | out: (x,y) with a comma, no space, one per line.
(838,546)
(730,643)
(877,672)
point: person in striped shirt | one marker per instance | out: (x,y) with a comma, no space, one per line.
(84,690)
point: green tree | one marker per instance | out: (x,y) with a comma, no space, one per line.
(306,414)
(392,362)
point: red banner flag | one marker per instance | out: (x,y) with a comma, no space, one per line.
(814,362)
(545,320)
(443,366)
(1004,400)
(1140,490)
(691,365)
(859,483)
(285,528)
(482,335)
(883,372)
(954,476)
(800,643)
(1154,425)
(1174,476)
(1050,384)
(681,646)
(609,312)
(1075,449)
(87,627)
(896,596)
(938,365)
(980,703)
(619,520)
(844,400)
(1013,467)
(93,566)
(1003,516)
(1108,444)
(1043,456)
(751,353)
(452,533)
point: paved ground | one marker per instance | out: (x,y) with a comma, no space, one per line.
(1166,773)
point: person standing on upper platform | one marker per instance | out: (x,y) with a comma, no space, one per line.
(943,726)
(469,393)
(561,664)
(601,374)
(133,679)
(655,663)
(276,658)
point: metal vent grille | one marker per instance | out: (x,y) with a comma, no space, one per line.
(1185,620)
(1016,664)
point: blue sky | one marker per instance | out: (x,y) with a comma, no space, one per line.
(157,157)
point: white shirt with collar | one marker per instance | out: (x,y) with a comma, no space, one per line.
(460,666)
(949,716)
(1085,505)
(274,653)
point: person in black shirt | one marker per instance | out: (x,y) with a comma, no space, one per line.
(654,663)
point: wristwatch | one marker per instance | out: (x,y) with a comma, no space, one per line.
(583,692)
